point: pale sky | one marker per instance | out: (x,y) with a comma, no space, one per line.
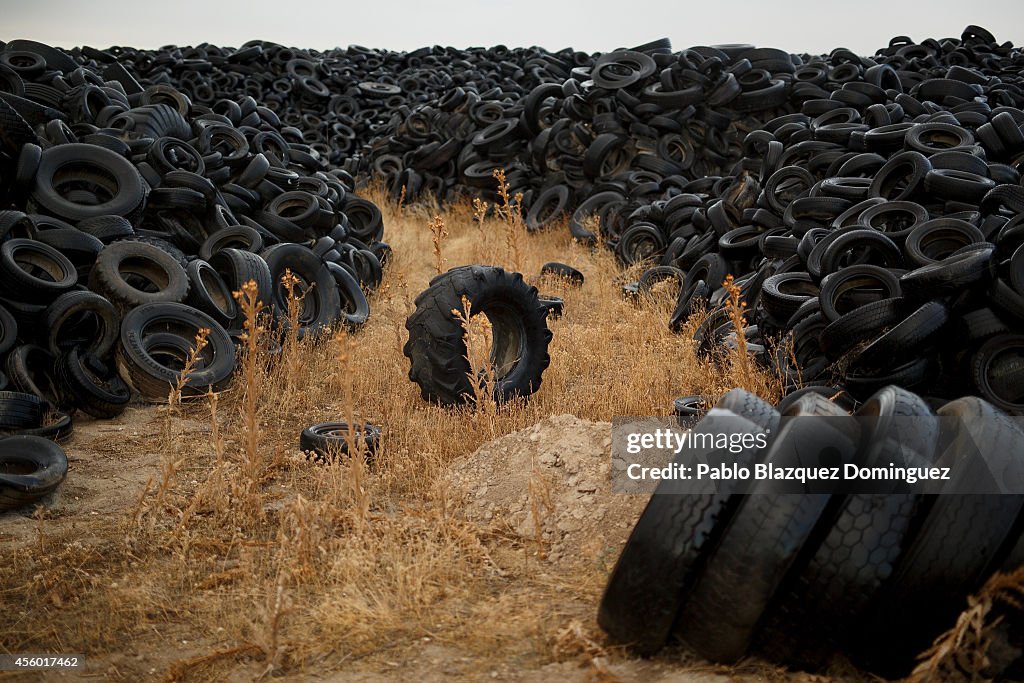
(599,25)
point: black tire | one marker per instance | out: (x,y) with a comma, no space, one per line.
(31,370)
(120,189)
(900,177)
(859,325)
(79,248)
(666,549)
(437,348)
(782,294)
(690,406)
(959,538)
(328,440)
(30,469)
(905,339)
(652,276)
(950,275)
(355,309)
(107,229)
(15,132)
(19,410)
(8,331)
(763,539)
(918,374)
(209,293)
(321,307)
(34,272)
(81,319)
(859,551)
(237,267)
(562,270)
(937,239)
(92,386)
(131,274)
(155,341)
(849,288)
(234,237)
(996,372)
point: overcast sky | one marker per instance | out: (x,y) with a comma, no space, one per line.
(599,25)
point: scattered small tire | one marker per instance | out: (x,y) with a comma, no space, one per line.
(31,468)
(562,270)
(327,440)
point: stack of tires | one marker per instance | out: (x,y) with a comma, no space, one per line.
(797,573)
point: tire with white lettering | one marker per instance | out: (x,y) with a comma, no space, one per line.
(665,550)
(771,528)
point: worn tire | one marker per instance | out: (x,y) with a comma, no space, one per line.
(666,549)
(154,334)
(436,347)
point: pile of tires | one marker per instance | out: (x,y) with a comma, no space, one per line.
(130,216)
(797,577)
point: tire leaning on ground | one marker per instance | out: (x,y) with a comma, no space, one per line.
(155,342)
(30,468)
(437,347)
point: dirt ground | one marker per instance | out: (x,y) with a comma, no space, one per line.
(549,482)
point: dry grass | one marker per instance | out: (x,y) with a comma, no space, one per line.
(278,565)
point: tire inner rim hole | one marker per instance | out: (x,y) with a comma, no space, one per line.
(173,354)
(86,180)
(84,326)
(508,340)
(39,266)
(294,208)
(216,291)
(16,468)
(310,310)
(143,275)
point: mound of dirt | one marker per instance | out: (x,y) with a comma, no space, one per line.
(551,480)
